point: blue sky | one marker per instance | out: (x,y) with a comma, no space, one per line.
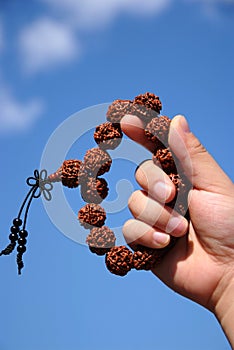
(57,58)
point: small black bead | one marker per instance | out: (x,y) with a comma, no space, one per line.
(23,233)
(21,249)
(17,222)
(22,241)
(14,229)
(13,237)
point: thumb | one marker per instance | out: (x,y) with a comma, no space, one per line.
(199,166)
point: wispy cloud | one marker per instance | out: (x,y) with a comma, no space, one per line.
(46,43)
(16,115)
(89,14)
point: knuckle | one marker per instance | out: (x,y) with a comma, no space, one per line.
(197,147)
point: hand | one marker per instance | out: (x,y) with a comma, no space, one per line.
(201,265)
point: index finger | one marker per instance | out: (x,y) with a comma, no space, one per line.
(133,127)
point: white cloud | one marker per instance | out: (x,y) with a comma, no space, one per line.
(46,43)
(91,14)
(16,115)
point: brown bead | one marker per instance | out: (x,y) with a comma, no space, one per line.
(164,159)
(180,182)
(83,175)
(180,202)
(145,258)
(70,170)
(149,100)
(96,162)
(146,106)
(157,131)
(119,260)
(144,113)
(94,190)
(92,215)
(117,110)
(100,240)
(108,135)
(180,205)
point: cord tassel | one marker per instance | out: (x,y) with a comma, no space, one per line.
(40,184)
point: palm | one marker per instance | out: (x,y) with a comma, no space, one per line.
(195,265)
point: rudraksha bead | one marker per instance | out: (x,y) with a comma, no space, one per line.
(164,159)
(180,182)
(119,260)
(117,110)
(92,215)
(146,107)
(94,190)
(100,240)
(97,162)
(83,174)
(149,100)
(181,205)
(144,113)
(157,131)
(180,202)
(70,170)
(108,135)
(145,258)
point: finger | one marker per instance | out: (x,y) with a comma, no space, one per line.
(133,127)
(138,232)
(200,167)
(154,214)
(155,182)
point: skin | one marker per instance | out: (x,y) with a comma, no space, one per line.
(201,265)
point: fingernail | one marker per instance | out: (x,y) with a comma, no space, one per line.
(126,118)
(176,223)
(184,124)
(161,239)
(161,191)
(141,163)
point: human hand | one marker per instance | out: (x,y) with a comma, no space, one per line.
(201,265)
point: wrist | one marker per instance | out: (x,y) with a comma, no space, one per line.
(223,301)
